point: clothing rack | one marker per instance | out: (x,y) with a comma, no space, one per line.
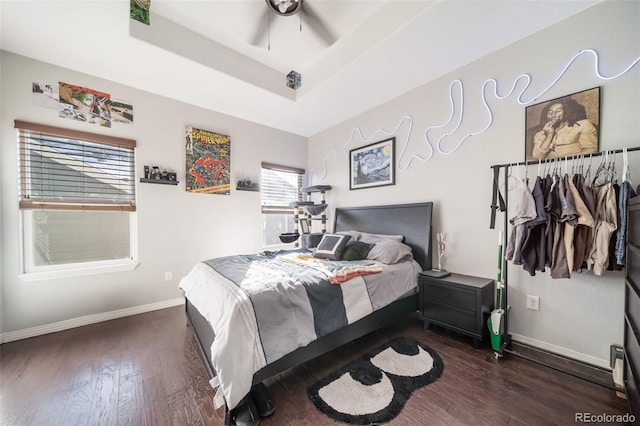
(595,154)
(502,203)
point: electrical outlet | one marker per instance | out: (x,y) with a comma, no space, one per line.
(533,302)
(168,276)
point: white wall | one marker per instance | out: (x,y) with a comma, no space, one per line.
(579,317)
(175,228)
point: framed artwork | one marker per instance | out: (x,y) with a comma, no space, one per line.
(563,127)
(208,162)
(304,226)
(373,165)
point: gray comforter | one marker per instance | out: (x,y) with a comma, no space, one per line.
(262,307)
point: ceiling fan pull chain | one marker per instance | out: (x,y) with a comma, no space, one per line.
(268,30)
(300,22)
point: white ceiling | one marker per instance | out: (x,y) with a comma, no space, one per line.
(203,52)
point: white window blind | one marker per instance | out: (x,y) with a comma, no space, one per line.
(78,201)
(63,169)
(279,187)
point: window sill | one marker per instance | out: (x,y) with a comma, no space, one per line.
(78,272)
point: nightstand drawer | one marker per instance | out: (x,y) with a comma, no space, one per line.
(450,315)
(450,295)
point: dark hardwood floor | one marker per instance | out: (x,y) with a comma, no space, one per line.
(146,370)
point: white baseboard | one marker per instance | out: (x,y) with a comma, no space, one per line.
(602,363)
(86,320)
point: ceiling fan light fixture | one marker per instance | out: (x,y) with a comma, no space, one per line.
(285,7)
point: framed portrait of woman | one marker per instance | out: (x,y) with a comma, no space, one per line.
(563,127)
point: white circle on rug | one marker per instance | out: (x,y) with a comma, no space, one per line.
(349,396)
(403,365)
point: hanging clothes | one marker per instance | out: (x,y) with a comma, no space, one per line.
(570,223)
(525,211)
(570,218)
(583,227)
(606,222)
(534,247)
(584,234)
(563,234)
(626,192)
(553,209)
(612,264)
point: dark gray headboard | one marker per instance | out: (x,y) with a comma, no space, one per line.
(411,220)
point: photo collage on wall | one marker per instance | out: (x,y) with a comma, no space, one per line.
(81,103)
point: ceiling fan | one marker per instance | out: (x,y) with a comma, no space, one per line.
(289,8)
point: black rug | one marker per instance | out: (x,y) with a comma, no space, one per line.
(374,388)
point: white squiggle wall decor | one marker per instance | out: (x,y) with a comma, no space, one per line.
(334,152)
(520,100)
(457,115)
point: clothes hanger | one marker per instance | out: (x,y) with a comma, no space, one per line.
(555,174)
(518,176)
(599,170)
(626,174)
(614,171)
(547,166)
(510,177)
(539,164)
(587,175)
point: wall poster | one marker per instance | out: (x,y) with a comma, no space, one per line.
(563,127)
(84,104)
(208,162)
(45,94)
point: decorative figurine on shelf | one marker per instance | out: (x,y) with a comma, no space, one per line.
(439,272)
(441,247)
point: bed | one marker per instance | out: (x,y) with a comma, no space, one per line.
(412,221)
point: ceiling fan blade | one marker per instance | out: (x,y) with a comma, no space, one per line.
(261,28)
(312,19)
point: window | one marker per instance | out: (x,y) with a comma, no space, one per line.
(77,196)
(279,187)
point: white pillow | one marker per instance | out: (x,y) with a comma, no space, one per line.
(374,238)
(390,251)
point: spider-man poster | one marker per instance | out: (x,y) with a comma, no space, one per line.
(208,162)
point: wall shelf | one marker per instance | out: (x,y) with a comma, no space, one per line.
(160,181)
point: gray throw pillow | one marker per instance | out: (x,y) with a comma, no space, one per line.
(331,246)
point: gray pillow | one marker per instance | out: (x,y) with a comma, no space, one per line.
(390,251)
(331,246)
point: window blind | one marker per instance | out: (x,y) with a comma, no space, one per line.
(65,169)
(279,187)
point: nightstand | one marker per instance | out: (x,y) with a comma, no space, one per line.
(461,303)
